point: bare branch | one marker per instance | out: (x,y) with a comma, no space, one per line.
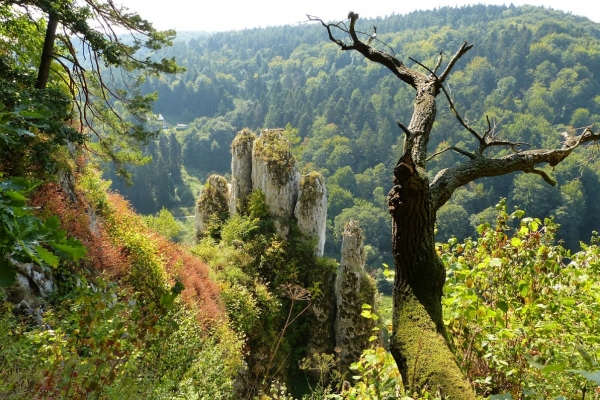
(458,150)
(461,51)
(544,175)
(438,64)
(459,118)
(406,131)
(405,74)
(448,180)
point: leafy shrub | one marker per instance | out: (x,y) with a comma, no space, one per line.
(513,296)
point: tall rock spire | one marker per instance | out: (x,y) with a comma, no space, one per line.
(241,169)
(353,288)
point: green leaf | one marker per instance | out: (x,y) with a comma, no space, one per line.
(71,248)
(553,368)
(52,223)
(515,242)
(29,114)
(534,226)
(533,361)
(502,305)
(586,356)
(15,195)
(593,376)
(8,273)
(48,257)
(371,358)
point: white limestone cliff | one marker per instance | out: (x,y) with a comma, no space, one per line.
(274,171)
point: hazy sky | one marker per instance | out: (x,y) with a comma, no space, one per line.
(223,15)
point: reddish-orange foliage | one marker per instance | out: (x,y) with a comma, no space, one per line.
(75,219)
(200,291)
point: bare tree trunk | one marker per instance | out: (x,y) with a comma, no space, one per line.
(47,51)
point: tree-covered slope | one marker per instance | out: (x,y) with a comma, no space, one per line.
(533,72)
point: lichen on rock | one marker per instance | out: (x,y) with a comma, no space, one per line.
(213,202)
(311,209)
(241,169)
(353,288)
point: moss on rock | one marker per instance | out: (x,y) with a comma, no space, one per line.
(275,150)
(212,203)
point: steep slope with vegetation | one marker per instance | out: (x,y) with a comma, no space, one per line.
(93,302)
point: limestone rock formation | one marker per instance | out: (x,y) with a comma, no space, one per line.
(274,171)
(267,164)
(241,169)
(353,288)
(32,280)
(213,202)
(311,209)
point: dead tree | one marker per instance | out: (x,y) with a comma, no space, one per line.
(418,342)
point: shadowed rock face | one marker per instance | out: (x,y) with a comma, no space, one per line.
(311,209)
(353,288)
(241,170)
(213,201)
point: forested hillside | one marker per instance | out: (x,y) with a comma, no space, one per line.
(534,72)
(97,301)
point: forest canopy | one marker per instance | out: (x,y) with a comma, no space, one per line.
(534,72)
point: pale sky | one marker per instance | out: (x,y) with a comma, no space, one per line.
(225,15)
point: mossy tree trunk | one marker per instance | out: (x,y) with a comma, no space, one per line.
(418,343)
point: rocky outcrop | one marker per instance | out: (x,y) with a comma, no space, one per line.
(241,169)
(266,163)
(274,171)
(353,288)
(311,209)
(32,280)
(212,203)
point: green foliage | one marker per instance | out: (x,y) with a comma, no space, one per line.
(103,343)
(268,283)
(514,299)
(376,377)
(375,220)
(72,93)
(163,223)
(25,238)
(452,220)
(242,307)
(146,272)
(534,70)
